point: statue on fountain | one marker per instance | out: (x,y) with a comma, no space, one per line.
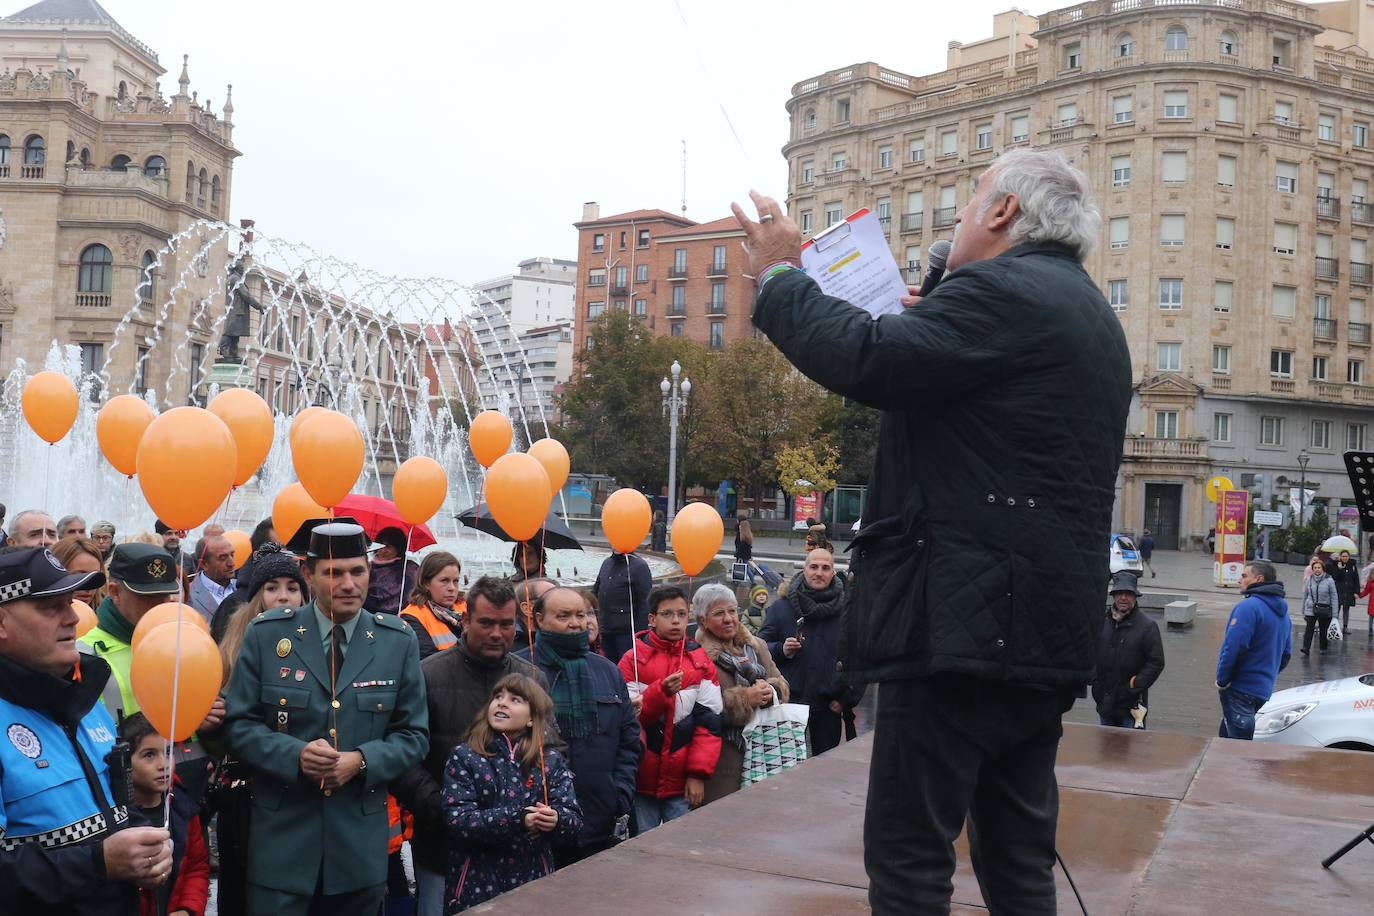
(236,319)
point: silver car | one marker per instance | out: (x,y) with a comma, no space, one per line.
(1336,714)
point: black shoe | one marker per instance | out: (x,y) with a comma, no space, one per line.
(1306,651)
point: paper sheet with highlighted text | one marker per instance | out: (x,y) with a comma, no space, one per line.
(851,260)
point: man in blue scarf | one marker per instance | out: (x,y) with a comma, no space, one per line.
(595,717)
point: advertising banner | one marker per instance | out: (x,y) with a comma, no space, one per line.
(804,507)
(1230,540)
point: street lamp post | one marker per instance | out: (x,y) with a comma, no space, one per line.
(674,404)
(1303,458)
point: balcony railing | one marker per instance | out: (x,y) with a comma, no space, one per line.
(677,311)
(1281,385)
(619,289)
(945,217)
(1150,447)
(886,223)
(911,222)
(1328,268)
(1329,207)
(1324,328)
(31,171)
(1221,382)
(715,308)
(92,300)
(717,269)
(1328,391)
(1360,273)
(1358,332)
(677,273)
(1361,212)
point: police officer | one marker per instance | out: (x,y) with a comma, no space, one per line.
(66,846)
(327,706)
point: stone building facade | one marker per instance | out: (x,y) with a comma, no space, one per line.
(1228,145)
(98,171)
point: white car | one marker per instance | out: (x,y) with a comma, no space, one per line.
(1123,555)
(1327,714)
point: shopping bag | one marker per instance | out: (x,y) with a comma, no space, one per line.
(774,740)
(1334,631)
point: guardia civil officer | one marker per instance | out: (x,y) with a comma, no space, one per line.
(327,706)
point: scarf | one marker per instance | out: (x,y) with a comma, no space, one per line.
(573,702)
(447,615)
(113,622)
(820,605)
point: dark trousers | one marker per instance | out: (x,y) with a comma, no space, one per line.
(1118,720)
(825,727)
(948,750)
(615,645)
(1321,624)
(1238,713)
(263,901)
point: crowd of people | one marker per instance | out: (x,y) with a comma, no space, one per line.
(503,728)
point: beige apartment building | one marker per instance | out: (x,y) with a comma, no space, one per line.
(1228,143)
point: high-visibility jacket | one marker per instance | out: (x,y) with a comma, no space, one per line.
(402,825)
(438,631)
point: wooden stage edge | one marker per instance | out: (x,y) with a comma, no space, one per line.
(1150,823)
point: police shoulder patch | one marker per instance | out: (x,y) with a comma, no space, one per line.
(24,741)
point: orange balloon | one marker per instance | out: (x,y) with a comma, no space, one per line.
(243,546)
(328,455)
(489,436)
(86,620)
(250,422)
(292,507)
(187,671)
(697,533)
(119,428)
(518,495)
(50,403)
(419,489)
(172,613)
(300,420)
(626,518)
(186,465)
(554,457)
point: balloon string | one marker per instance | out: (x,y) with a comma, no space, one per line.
(529,631)
(401,601)
(47,476)
(634,654)
(176,689)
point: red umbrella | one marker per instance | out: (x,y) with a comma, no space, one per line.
(375,513)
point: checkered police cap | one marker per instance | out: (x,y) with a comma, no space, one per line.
(36,573)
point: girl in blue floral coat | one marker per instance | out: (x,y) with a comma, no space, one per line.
(500,829)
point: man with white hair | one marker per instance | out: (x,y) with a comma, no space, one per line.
(977,576)
(33,528)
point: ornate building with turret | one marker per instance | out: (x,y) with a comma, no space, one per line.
(98,171)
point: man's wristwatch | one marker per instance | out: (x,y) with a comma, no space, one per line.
(362,762)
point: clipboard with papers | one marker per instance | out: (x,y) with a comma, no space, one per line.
(851,260)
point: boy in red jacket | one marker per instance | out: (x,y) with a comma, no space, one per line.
(679,712)
(188,886)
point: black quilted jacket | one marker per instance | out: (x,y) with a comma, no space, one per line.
(1004,398)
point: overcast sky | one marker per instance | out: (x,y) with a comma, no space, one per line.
(455,138)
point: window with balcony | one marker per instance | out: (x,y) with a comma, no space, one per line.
(1326,127)
(1171,230)
(1281,363)
(982,136)
(1166,424)
(1354,371)
(1327,266)
(1226,233)
(35,151)
(718,259)
(1283,112)
(1321,434)
(1176,104)
(833,214)
(1271,431)
(1020,128)
(1228,45)
(1221,359)
(839,161)
(808,172)
(622,279)
(1171,293)
(678,305)
(679,263)
(1119,229)
(1228,108)
(1222,293)
(1066,115)
(1168,357)
(884,157)
(1283,54)
(1118,294)
(1359,134)
(1356,434)
(1123,109)
(809,119)
(1121,171)
(1284,300)
(1286,176)
(155,167)
(1285,238)
(805,220)
(1176,39)
(1359,261)
(141,371)
(1221,427)
(95,275)
(1226,171)
(913,263)
(949,142)
(717,298)
(1073,56)
(147,279)
(1125,45)
(1174,167)
(717,335)
(1320,368)
(917,149)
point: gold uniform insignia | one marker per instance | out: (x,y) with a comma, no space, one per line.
(156,568)
(283,648)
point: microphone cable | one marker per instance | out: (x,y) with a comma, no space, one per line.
(1060,859)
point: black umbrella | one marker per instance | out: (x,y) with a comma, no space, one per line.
(555,535)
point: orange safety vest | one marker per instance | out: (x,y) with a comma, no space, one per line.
(402,825)
(438,631)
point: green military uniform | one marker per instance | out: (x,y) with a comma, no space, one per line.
(307,841)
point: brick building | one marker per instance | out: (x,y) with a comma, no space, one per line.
(682,277)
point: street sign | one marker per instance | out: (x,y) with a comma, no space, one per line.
(1265,517)
(1232,506)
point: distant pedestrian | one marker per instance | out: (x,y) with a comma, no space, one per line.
(744,541)
(1147,549)
(1346,575)
(1258,645)
(1319,602)
(1130,657)
(622,599)
(658,533)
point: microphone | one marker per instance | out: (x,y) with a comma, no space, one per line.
(935,265)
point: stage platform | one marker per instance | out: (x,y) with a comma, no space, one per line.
(1150,823)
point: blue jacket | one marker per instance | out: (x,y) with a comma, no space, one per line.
(1259,642)
(604,764)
